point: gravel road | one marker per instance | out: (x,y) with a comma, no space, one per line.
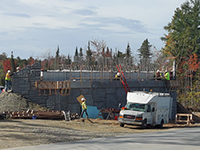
(27,132)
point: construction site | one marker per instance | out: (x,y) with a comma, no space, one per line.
(58,90)
(44,106)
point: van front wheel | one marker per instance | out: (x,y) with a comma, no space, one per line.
(144,123)
(121,125)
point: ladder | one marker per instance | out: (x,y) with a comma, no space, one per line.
(123,79)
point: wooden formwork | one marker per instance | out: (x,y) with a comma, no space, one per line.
(62,87)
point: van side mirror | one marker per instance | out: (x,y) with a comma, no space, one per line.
(153,109)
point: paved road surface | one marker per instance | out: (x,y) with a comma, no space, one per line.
(175,139)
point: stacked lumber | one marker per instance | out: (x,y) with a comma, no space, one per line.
(31,114)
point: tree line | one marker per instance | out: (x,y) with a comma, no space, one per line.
(95,56)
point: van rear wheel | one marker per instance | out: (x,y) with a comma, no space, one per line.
(161,124)
(121,125)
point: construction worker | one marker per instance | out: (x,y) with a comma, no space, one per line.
(84,108)
(167,79)
(7,81)
(158,75)
(117,76)
(17,69)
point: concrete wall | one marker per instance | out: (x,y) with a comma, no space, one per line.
(103,94)
(66,74)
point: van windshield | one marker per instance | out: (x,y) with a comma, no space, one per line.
(135,106)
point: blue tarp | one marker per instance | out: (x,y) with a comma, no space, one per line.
(92,112)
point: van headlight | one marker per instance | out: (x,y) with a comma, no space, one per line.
(139,117)
(121,116)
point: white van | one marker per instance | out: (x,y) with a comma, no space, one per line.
(144,109)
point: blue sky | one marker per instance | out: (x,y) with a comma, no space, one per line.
(37,27)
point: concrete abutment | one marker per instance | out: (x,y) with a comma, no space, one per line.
(101,93)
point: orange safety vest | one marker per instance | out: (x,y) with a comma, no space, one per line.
(7,78)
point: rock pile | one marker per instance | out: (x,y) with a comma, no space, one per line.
(15,102)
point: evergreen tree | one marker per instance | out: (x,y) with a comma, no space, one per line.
(81,55)
(144,50)
(89,55)
(145,54)
(81,52)
(128,51)
(68,60)
(128,54)
(57,57)
(183,32)
(12,63)
(76,56)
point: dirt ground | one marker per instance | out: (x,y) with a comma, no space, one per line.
(27,132)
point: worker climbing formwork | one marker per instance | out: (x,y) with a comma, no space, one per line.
(123,79)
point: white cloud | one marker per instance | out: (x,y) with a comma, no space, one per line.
(39,25)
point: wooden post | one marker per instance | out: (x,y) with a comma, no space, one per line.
(91,76)
(101,75)
(111,75)
(138,74)
(70,72)
(50,92)
(81,75)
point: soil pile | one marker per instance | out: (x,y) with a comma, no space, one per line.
(182,109)
(15,102)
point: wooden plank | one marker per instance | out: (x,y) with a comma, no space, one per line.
(180,120)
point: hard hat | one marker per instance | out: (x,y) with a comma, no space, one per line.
(157,70)
(8,71)
(82,99)
(118,73)
(17,68)
(165,70)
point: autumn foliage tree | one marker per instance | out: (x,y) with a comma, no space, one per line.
(182,42)
(6,65)
(189,74)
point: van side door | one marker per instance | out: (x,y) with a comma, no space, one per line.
(148,115)
(153,112)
